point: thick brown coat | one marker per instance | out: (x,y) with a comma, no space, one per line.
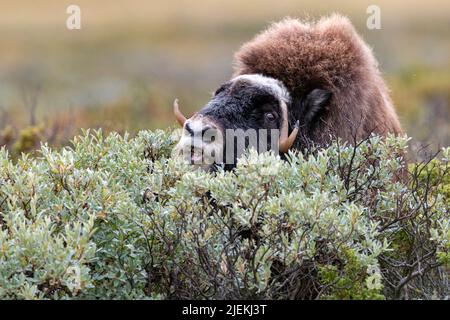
(327,54)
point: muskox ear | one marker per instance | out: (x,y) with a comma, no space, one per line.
(314,103)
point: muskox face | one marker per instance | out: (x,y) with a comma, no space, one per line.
(248,111)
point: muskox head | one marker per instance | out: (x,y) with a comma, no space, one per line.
(250,111)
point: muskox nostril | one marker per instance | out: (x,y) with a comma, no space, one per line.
(189,129)
(200,129)
(206,129)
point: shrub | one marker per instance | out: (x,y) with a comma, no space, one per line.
(117,217)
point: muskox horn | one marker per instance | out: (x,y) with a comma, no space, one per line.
(286,141)
(181,119)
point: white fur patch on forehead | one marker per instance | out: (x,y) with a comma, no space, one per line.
(274,86)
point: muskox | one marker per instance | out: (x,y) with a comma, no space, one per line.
(309,82)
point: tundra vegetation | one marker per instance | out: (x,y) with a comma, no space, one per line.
(117,217)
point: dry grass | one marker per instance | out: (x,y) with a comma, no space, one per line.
(149,52)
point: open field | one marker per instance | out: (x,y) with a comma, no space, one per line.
(132,58)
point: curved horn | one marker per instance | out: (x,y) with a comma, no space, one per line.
(181,119)
(286,141)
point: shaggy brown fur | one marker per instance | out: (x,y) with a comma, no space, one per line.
(328,54)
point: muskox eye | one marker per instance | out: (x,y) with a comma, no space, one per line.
(269,116)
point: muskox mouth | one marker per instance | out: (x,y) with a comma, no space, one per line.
(196,156)
(198,151)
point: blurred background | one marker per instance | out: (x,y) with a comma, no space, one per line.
(131,58)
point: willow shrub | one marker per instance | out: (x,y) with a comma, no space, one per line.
(117,217)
